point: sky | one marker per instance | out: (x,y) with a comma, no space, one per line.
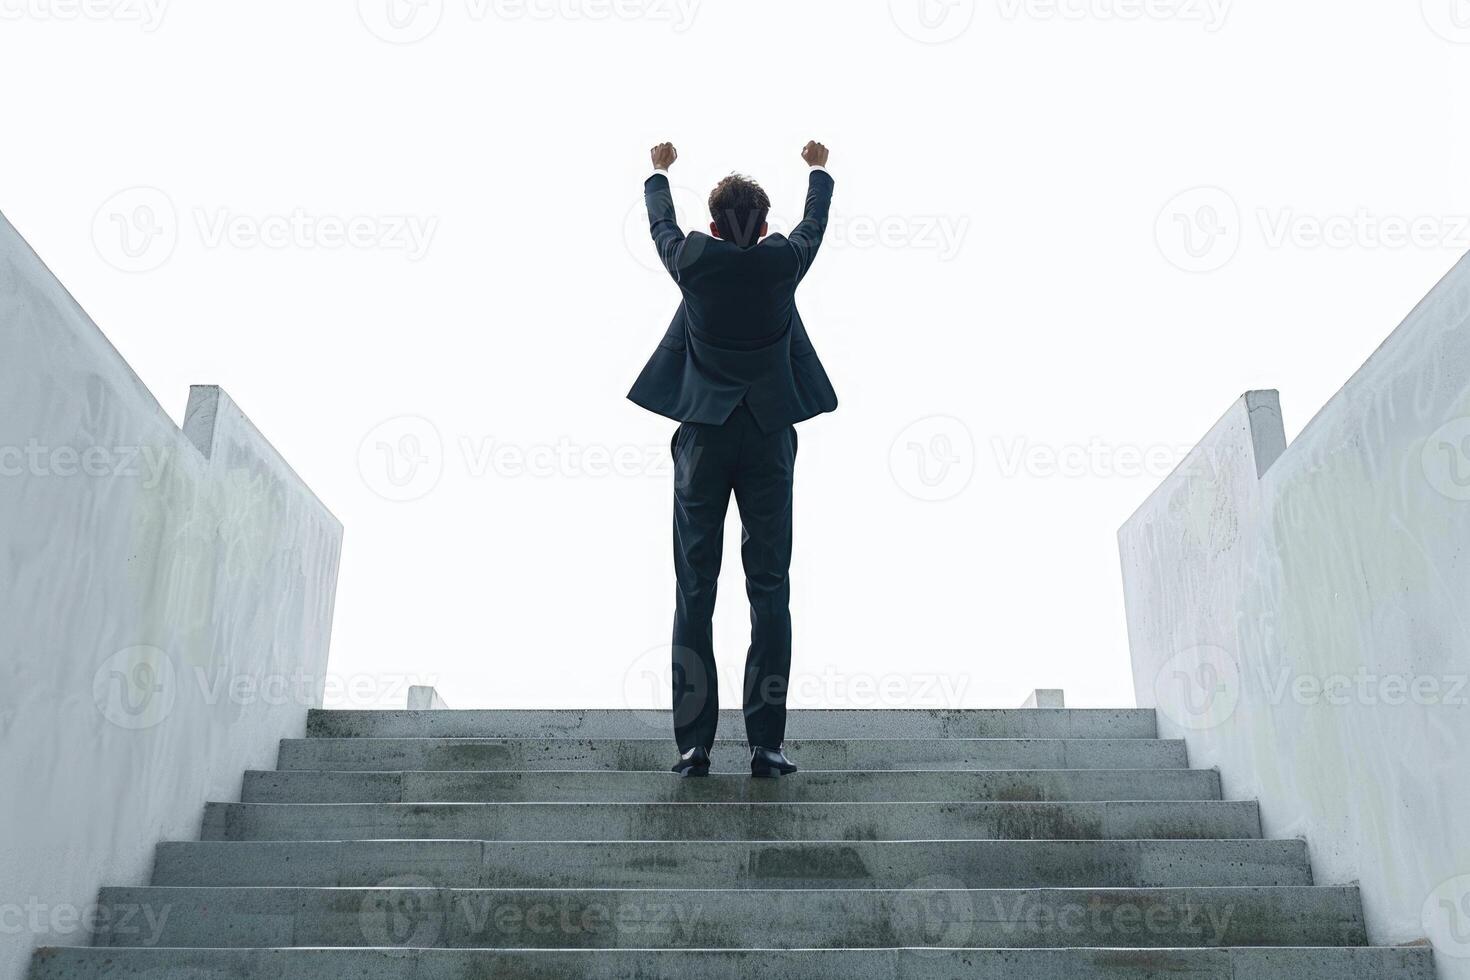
(407,237)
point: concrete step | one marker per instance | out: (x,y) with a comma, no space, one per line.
(665,787)
(657,754)
(736,864)
(1220,963)
(934,912)
(730,821)
(801,723)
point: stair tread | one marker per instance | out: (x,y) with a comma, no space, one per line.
(802,722)
(652,786)
(739,819)
(742,864)
(1078,963)
(634,754)
(931,912)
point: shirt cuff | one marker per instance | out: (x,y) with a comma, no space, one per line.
(818,166)
(658,172)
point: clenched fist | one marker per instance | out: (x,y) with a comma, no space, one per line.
(665,154)
(814,153)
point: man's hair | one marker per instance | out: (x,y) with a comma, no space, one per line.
(738,208)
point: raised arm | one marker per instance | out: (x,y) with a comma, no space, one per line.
(667,237)
(806,237)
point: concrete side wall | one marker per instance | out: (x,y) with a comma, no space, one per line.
(165,610)
(1299,615)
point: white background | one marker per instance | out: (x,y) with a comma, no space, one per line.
(1065,237)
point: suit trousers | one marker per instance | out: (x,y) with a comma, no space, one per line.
(710,463)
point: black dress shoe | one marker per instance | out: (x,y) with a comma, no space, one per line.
(769,762)
(695,762)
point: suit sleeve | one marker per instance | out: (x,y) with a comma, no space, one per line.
(806,237)
(667,237)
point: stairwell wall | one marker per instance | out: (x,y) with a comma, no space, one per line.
(166,605)
(1301,617)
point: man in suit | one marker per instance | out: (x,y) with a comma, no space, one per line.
(737,371)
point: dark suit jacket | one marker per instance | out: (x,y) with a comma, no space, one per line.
(737,334)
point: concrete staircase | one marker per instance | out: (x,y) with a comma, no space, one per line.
(450,845)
